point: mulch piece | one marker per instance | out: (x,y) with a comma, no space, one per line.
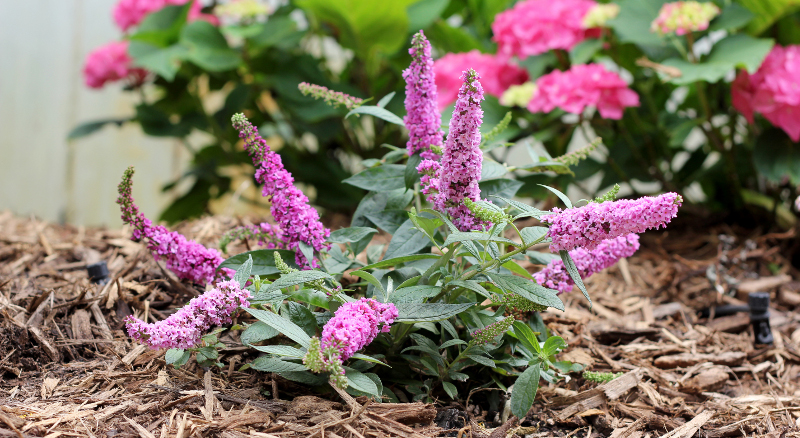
(68,369)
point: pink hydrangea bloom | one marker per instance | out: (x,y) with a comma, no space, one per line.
(129,13)
(356,324)
(423,120)
(110,63)
(773,90)
(184,328)
(463,158)
(298,221)
(497,74)
(683,17)
(188,259)
(588,262)
(590,225)
(583,86)
(533,27)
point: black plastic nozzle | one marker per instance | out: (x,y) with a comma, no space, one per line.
(98,273)
(759,317)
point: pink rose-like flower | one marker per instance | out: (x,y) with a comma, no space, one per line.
(496,73)
(773,90)
(588,262)
(129,13)
(110,63)
(533,27)
(583,86)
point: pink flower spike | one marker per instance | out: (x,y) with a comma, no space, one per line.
(533,27)
(462,160)
(423,120)
(356,324)
(588,262)
(111,63)
(582,86)
(298,221)
(773,90)
(184,328)
(588,226)
(497,74)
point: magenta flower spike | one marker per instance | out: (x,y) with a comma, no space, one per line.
(588,226)
(356,324)
(188,259)
(588,262)
(184,328)
(298,221)
(422,119)
(463,158)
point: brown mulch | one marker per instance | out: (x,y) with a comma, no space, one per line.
(68,369)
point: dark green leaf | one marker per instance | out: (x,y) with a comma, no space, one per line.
(258,332)
(525,391)
(531,235)
(414,293)
(301,316)
(528,289)
(295,278)
(450,389)
(734,51)
(281,350)
(732,17)
(424,12)
(207,48)
(376,111)
(360,382)
(283,325)
(380,179)
(388,220)
(418,312)
(243,273)
(572,270)
(406,240)
(777,157)
(263,261)
(352,234)
(560,195)
(411,175)
(492,170)
(500,187)
(271,365)
(584,52)
(397,260)
(87,128)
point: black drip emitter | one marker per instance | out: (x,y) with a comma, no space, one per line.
(759,317)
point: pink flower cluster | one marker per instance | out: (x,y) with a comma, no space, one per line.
(533,27)
(684,17)
(184,328)
(588,262)
(298,221)
(110,63)
(588,226)
(129,13)
(356,324)
(583,86)
(497,74)
(429,171)
(188,259)
(773,90)
(462,159)
(423,120)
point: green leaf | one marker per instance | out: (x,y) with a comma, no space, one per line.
(734,51)
(388,220)
(295,278)
(258,332)
(164,62)
(386,99)
(531,235)
(271,365)
(584,52)
(485,361)
(777,157)
(304,377)
(243,273)
(471,236)
(525,391)
(514,267)
(276,30)
(500,187)
(162,28)
(360,382)
(732,17)
(312,296)
(352,234)
(541,258)
(492,170)
(406,240)
(371,280)
(380,179)
(572,270)
(369,359)
(414,293)
(420,312)
(632,25)
(207,48)
(525,209)
(376,111)
(450,389)
(177,357)
(301,316)
(527,289)
(471,285)
(411,175)
(452,342)
(88,128)
(424,12)
(283,325)
(526,336)
(560,195)
(281,350)
(768,12)
(263,261)
(397,260)
(553,345)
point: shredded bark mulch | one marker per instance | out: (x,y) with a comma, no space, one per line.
(68,369)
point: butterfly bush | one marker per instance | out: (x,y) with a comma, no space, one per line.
(422,119)
(582,86)
(497,74)
(588,226)
(110,63)
(188,259)
(129,13)
(588,262)
(682,18)
(265,234)
(462,159)
(330,97)
(773,90)
(533,27)
(184,328)
(298,221)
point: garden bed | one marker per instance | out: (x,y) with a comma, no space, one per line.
(69,369)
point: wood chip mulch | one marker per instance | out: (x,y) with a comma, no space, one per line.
(68,369)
